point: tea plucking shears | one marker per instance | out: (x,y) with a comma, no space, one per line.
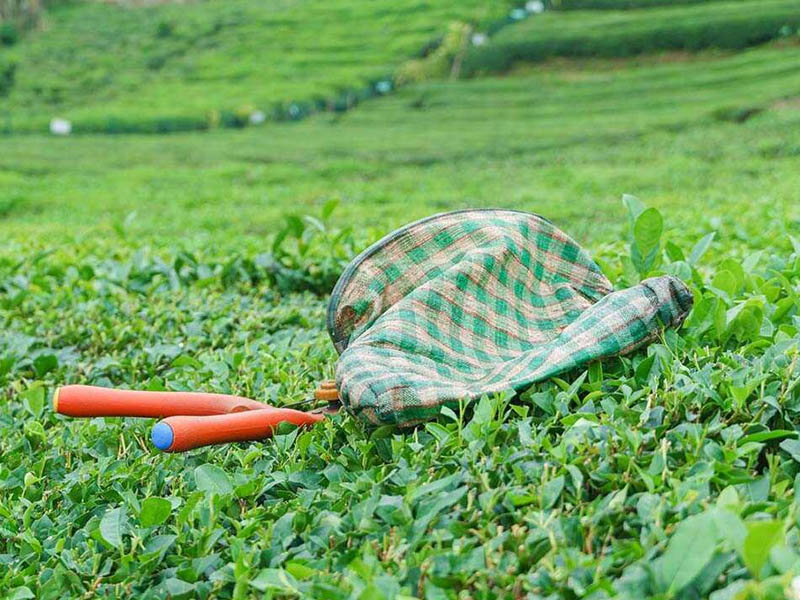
(192,419)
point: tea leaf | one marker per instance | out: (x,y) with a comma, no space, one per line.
(688,552)
(212,480)
(154,511)
(112,525)
(761,537)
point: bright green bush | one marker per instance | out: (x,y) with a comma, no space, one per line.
(438,63)
(8,34)
(616,4)
(728,25)
(17,16)
(8,70)
(114,125)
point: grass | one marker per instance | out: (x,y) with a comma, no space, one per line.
(622,131)
(150,262)
(619,33)
(97,62)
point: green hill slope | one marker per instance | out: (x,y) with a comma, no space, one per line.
(620,33)
(94,62)
(169,67)
(407,154)
(618,4)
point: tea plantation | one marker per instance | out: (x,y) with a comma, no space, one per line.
(203,261)
(167,68)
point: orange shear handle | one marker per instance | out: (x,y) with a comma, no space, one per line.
(92,401)
(178,434)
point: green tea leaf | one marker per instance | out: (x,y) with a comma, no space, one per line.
(21,593)
(44,363)
(674,252)
(757,490)
(761,537)
(159,544)
(783,558)
(734,267)
(177,587)
(329,207)
(791,446)
(300,571)
(635,208)
(295,225)
(765,436)
(700,248)
(112,525)
(689,550)
(552,491)
(154,511)
(730,525)
(212,480)
(647,230)
(725,281)
(33,400)
(274,579)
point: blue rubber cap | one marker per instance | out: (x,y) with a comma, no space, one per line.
(162,436)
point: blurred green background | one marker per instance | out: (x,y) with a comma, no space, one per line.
(394,109)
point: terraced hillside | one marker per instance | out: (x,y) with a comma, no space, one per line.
(98,61)
(619,33)
(498,140)
(163,68)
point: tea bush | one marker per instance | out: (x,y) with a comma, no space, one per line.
(617,4)
(721,25)
(203,260)
(8,70)
(8,34)
(673,471)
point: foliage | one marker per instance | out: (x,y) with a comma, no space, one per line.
(20,15)
(8,34)
(307,254)
(441,61)
(8,70)
(181,262)
(502,142)
(722,25)
(617,4)
(198,60)
(737,114)
(669,473)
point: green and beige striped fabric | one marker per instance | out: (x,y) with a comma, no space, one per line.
(476,302)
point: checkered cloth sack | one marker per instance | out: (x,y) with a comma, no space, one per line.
(476,302)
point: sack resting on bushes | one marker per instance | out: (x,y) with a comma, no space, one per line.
(477,302)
